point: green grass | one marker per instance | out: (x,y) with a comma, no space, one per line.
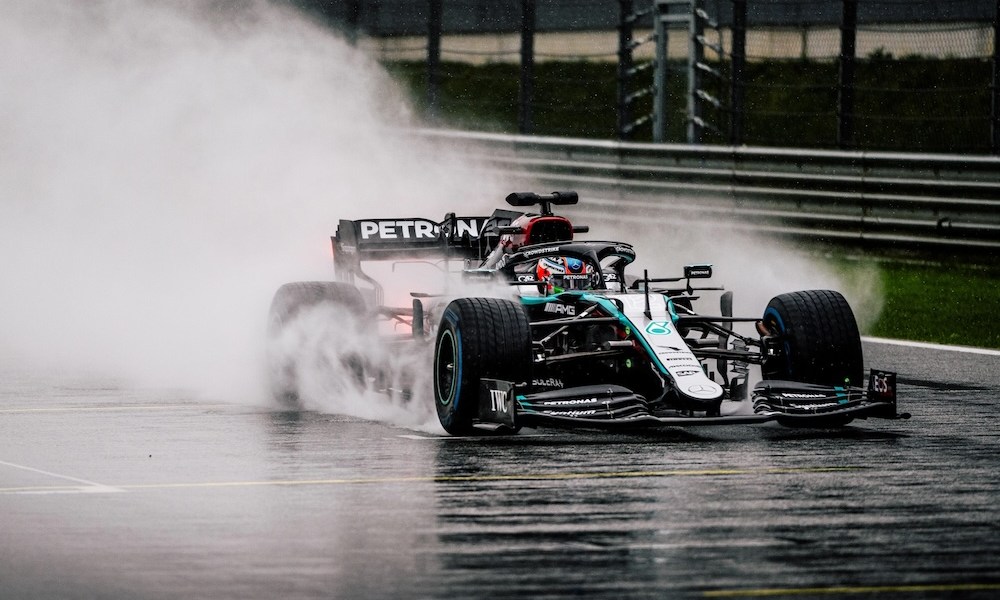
(944,304)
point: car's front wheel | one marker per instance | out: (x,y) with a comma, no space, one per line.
(477,338)
(818,341)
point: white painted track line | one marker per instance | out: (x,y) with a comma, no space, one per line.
(928,346)
(115,408)
(88,486)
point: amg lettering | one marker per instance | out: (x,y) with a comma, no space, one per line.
(560,309)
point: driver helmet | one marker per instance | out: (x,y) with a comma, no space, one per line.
(558,274)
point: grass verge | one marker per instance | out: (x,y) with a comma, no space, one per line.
(944,304)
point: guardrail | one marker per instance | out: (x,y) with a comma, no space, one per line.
(870,199)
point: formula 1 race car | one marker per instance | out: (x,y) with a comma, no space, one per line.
(575,341)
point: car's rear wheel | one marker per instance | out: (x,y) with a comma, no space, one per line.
(289,302)
(477,338)
(819,342)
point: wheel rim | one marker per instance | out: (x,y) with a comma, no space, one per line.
(774,322)
(446,359)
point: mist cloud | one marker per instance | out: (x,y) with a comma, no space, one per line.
(164,166)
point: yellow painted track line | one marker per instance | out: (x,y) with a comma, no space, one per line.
(848,590)
(464,478)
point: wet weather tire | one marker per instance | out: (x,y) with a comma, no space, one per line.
(289,302)
(478,337)
(292,298)
(819,341)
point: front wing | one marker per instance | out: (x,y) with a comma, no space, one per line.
(616,407)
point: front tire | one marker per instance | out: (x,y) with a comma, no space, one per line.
(819,343)
(477,338)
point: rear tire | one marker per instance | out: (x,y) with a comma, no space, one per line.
(289,302)
(820,342)
(478,337)
(292,298)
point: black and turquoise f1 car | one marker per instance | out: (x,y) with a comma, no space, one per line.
(580,342)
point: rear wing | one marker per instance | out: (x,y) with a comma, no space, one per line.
(465,238)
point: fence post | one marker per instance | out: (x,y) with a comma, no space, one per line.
(434,16)
(526,119)
(696,55)
(737,86)
(353,8)
(662,9)
(625,64)
(995,107)
(845,89)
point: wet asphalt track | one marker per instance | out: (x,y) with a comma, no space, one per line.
(108,493)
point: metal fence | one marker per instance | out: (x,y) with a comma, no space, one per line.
(907,75)
(868,200)
(402,18)
(875,74)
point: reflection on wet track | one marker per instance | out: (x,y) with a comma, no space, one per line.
(116,493)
